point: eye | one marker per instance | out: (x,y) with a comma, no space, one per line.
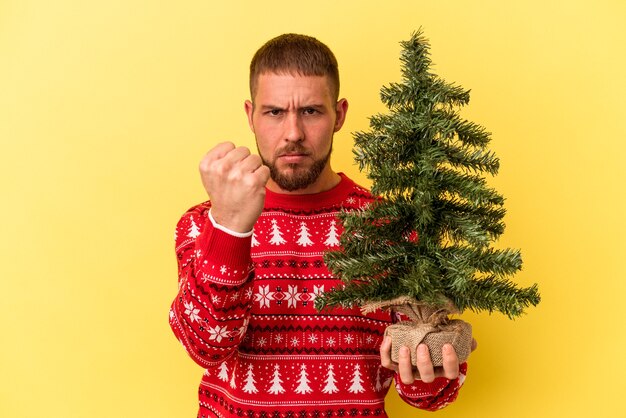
(274,112)
(309,111)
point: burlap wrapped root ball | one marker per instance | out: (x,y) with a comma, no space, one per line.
(428,325)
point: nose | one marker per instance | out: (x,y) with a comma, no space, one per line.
(293,128)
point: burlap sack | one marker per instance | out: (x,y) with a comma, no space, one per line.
(428,325)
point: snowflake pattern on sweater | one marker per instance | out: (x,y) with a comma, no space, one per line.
(245,312)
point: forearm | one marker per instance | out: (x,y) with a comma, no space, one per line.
(210,312)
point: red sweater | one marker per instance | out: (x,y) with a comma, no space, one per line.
(244,312)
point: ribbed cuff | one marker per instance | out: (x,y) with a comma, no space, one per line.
(225,258)
(229,231)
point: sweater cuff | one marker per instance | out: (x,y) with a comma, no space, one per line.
(228,231)
(223,258)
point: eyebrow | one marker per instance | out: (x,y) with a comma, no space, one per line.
(276,107)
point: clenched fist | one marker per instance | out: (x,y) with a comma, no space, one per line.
(235,180)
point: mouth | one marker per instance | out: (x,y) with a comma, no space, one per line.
(293,153)
(293,158)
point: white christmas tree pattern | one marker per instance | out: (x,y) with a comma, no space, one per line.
(277,237)
(330,381)
(357,381)
(277,386)
(303,382)
(332,238)
(233,384)
(194,231)
(304,236)
(250,387)
(223,375)
(255,242)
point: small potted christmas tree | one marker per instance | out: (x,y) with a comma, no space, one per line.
(424,248)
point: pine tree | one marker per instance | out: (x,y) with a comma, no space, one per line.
(277,386)
(332,238)
(277,237)
(223,371)
(427,164)
(304,236)
(255,242)
(249,386)
(194,231)
(357,381)
(330,386)
(233,382)
(303,382)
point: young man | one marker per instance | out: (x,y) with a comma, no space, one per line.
(250,263)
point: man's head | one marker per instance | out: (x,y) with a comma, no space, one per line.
(294,112)
(295,55)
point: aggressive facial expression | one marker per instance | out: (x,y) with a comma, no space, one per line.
(294,119)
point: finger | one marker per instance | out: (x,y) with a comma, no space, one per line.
(236,155)
(228,166)
(385,355)
(251,163)
(474,344)
(405,368)
(264,173)
(450,362)
(216,153)
(424,364)
(220,150)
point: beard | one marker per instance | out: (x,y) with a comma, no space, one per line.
(295,177)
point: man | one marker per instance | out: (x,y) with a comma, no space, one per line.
(250,263)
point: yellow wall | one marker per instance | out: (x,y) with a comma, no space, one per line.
(106,108)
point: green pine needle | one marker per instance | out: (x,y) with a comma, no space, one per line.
(427,164)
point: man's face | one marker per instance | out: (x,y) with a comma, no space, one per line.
(294,119)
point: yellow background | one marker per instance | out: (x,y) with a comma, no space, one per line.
(107,107)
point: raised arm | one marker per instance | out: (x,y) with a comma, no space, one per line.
(210,312)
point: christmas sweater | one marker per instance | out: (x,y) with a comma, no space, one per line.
(245,313)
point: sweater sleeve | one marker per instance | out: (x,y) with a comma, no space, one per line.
(431,396)
(210,313)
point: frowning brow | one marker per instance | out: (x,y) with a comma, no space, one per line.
(267,107)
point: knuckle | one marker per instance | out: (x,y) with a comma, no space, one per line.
(245,151)
(265,172)
(250,181)
(225,146)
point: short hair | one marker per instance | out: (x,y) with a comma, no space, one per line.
(295,54)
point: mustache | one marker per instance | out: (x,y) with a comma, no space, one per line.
(292,148)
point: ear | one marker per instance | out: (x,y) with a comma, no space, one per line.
(249,108)
(341,110)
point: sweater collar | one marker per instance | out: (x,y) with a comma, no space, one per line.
(310,201)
